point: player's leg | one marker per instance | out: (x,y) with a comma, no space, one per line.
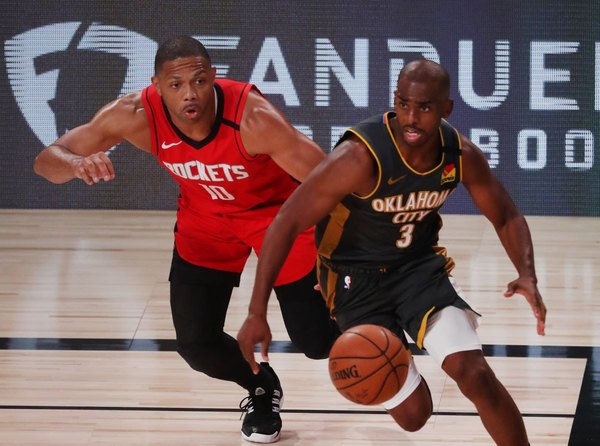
(363,297)
(198,312)
(452,341)
(306,317)
(411,407)
(199,301)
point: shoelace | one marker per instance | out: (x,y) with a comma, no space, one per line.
(246,405)
(261,402)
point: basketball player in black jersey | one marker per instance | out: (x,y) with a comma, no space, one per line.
(375,200)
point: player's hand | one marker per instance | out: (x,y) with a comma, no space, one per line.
(254,330)
(93,168)
(527,287)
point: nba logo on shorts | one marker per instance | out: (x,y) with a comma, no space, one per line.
(347,282)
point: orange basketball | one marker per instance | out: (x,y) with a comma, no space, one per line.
(368,364)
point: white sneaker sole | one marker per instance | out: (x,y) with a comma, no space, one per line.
(262,438)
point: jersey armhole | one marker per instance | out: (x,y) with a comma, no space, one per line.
(239,112)
(150,115)
(377,161)
(452,144)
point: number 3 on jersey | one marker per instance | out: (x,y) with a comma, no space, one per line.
(406,236)
(217,192)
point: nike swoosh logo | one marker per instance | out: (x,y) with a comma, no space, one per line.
(164,145)
(391,181)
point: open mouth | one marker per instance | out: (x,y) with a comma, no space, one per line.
(411,134)
(191,112)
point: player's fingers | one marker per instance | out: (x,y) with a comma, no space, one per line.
(100,167)
(86,178)
(541,328)
(108,171)
(264,350)
(254,366)
(539,311)
(246,343)
(248,354)
(541,322)
(540,314)
(89,169)
(510,290)
(82,173)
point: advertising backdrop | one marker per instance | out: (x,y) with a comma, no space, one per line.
(525,81)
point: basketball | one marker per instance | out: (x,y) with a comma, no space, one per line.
(368,364)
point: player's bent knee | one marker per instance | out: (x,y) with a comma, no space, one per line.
(317,352)
(411,407)
(199,358)
(411,384)
(189,354)
(320,355)
(413,413)
(479,381)
(471,372)
(317,345)
(413,423)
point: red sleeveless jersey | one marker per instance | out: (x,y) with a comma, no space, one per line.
(216,175)
(227,197)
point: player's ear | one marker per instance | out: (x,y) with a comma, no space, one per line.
(448,107)
(156,84)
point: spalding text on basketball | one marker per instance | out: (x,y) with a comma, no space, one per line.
(347,373)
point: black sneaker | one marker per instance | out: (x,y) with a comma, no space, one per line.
(262,423)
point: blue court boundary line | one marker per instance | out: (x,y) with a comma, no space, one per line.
(586,421)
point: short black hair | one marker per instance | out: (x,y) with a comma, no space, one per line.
(421,69)
(176,47)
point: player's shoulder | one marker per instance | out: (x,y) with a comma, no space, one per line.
(261,116)
(123,107)
(129,103)
(468,148)
(257,103)
(123,113)
(352,149)
(474,162)
(233,85)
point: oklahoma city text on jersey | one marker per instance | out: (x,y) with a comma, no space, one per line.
(414,207)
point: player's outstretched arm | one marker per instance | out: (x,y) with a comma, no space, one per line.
(80,153)
(493,200)
(347,169)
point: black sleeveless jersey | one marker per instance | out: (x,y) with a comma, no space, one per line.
(399,218)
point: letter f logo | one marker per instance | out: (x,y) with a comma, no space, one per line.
(33,91)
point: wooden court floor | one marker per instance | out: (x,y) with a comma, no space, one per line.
(87,352)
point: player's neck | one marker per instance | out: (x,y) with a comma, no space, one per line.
(422,159)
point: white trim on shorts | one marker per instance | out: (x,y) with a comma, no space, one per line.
(413,379)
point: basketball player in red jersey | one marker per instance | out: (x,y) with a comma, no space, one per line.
(236,159)
(375,202)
